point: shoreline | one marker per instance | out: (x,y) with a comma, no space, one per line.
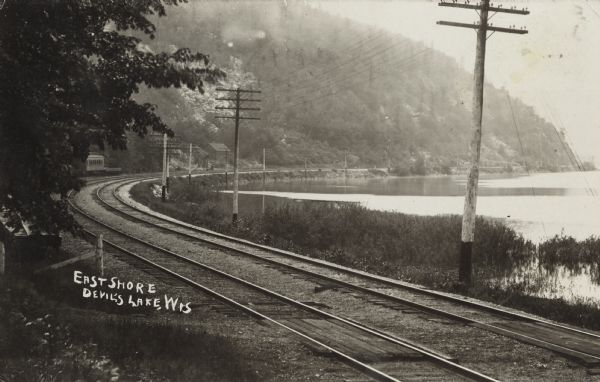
(442,279)
(528,213)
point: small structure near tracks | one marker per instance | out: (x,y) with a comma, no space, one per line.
(94,163)
(219,154)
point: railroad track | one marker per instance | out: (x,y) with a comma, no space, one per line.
(574,343)
(378,355)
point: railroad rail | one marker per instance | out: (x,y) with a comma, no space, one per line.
(356,344)
(574,343)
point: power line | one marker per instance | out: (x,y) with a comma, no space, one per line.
(571,155)
(237,108)
(312,99)
(304,85)
(351,75)
(514,119)
(377,53)
(592,8)
(483,9)
(354,58)
(346,50)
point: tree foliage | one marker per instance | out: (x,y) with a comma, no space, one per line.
(68,71)
(331,85)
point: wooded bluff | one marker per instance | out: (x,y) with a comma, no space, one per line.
(329,85)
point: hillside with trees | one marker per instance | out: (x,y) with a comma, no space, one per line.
(330,85)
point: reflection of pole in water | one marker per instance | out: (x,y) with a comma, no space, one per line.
(263,188)
(305,169)
(190,166)
(345,170)
(164,167)
(167,169)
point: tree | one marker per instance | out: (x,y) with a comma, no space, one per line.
(68,70)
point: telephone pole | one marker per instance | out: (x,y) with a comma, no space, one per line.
(167,169)
(237,108)
(264,167)
(345,163)
(164,169)
(190,166)
(482,27)
(305,169)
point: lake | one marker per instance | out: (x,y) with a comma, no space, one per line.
(538,206)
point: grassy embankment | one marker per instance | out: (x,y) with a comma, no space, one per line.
(42,339)
(418,249)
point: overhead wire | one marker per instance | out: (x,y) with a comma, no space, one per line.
(352,75)
(377,53)
(351,48)
(313,99)
(592,8)
(514,119)
(310,92)
(567,149)
(303,86)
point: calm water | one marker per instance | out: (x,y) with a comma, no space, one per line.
(538,206)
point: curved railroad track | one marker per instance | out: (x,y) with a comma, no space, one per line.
(379,355)
(575,343)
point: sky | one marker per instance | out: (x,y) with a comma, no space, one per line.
(555,67)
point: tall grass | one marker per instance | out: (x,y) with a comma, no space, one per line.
(347,233)
(421,249)
(387,237)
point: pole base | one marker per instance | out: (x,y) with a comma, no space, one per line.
(164,193)
(465,264)
(234,219)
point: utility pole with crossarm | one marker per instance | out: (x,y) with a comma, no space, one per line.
(237,117)
(483,8)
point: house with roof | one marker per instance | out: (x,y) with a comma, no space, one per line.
(95,160)
(219,154)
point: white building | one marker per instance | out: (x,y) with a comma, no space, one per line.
(94,162)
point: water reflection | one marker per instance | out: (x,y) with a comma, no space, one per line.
(579,282)
(538,206)
(490,185)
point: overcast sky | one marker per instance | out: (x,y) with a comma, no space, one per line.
(555,67)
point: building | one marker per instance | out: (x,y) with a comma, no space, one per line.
(94,162)
(219,154)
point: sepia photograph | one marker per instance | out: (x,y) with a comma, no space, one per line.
(299,190)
